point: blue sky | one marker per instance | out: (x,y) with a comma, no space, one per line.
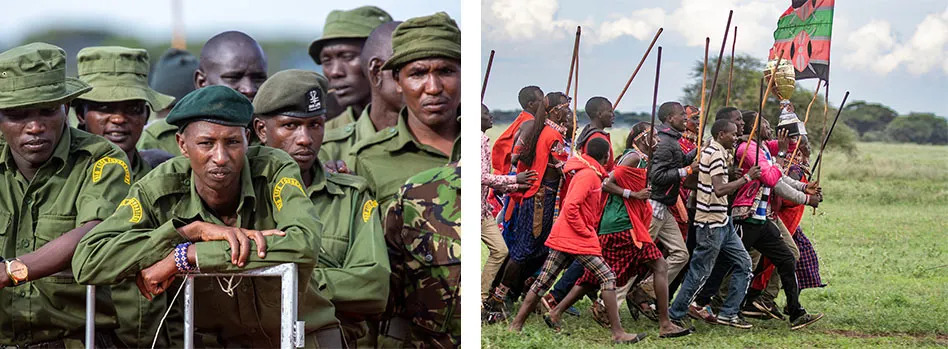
(883,51)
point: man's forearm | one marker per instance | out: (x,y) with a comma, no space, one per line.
(56,255)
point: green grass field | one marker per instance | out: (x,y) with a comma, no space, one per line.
(882,238)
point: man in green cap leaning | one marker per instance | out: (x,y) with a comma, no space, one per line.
(353,269)
(339,51)
(56,184)
(426,64)
(116,108)
(173,76)
(200,211)
(378,115)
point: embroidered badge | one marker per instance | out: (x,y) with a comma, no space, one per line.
(367,209)
(99,165)
(136,207)
(313,100)
(278,190)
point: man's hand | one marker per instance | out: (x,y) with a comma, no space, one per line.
(754,172)
(336,166)
(694,167)
(155,279)
(783,140)
(813,188)
(527,177)
(238,238)
(523,187)
(642,194)
(814,200)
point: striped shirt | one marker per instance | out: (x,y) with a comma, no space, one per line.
(711,209)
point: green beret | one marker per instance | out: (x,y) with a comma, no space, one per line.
(174,73)
(292,92)
(217,104)
(424,37)
(118,74)
(357,23)
(36,74)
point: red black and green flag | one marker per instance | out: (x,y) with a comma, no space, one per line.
(803,33)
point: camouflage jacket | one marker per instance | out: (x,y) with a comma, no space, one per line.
(424,239)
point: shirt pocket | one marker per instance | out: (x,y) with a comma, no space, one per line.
(4,225)
(49,227)
(433,293)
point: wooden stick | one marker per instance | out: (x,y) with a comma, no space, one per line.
(830,133)
(825,109)
(490,61)
(702,111)
(575,101)
(636,71)
(730,69)
(651,130)
(714,81)
(760,111)
(573,63)
(763,101)
(796,147)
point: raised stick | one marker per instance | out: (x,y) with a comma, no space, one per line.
(763,100)
(636,71)
(730,69)
(830,133)
(573,62)
(575,101)
(651,130)
(760,111)
(796,147)
(714,81)
(490,61)
(704,89)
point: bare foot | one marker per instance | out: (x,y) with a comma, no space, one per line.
(555,317)
(669,328)
(514,328)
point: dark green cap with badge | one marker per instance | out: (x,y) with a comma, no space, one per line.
(356,23)
(293,92)
(424,37)
(218,104)
(36,74)
(118,74)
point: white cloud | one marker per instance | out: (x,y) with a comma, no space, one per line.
(875,46)
(756,21)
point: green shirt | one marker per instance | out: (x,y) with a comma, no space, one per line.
(84,180)
(346,117)
(423,233)
(338,142)
(143,231)
(615,218)
(387,159)
(353,269)
(160,135)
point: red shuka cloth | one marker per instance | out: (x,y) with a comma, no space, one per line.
(503,145)
(574,231)
(640,211)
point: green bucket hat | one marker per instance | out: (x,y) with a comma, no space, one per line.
(424,37)
(292,92)
(118,74)
(357,23)
(36,74)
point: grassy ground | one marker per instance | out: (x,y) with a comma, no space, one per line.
(882,238)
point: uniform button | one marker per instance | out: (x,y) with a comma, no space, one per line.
(24,243)
(428,258)
(392,131)
(23,294)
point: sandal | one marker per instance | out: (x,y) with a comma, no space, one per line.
(599,313)
(638,338)
(554,325)
(681,333)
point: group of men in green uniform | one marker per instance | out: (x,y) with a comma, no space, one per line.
(353,176)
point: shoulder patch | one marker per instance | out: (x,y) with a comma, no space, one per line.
(136,208)
(367,208)
(278,190)
(99,165)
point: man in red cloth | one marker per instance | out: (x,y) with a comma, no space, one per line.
(530,98)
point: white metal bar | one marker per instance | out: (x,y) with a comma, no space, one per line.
(189,311)
(90,317)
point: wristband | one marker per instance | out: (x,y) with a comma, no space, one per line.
(747,178)
(688,170)
(181,258)
(626,193)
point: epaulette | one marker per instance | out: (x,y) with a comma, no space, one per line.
(265,161)
(339,133)
(158,185)
(377,138)
(348,180)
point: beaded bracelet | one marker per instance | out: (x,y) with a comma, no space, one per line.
(181,258)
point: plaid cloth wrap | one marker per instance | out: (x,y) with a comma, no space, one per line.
(626,260)
(808,267)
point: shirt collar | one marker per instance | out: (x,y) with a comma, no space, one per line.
(320,182)
(403,137)
(194,206)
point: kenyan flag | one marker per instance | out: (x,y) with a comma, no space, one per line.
(803,33)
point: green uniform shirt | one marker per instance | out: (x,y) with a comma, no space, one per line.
(387,159)
(338,142)
(84,180)
(346,117)
(143,231)
(160,135)
(423,233)
(353,269)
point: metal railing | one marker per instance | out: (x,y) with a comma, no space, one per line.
(291,331)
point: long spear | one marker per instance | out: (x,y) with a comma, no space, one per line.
(730,69)
(490,61)
(714,81)
(830,133)
(796,147)
(651,130)
(763,100)
(573,62)
(760,111)
(704,89)
(636,71)
(575,100)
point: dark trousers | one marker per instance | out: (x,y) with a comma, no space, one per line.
(765,238)
(568,280)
